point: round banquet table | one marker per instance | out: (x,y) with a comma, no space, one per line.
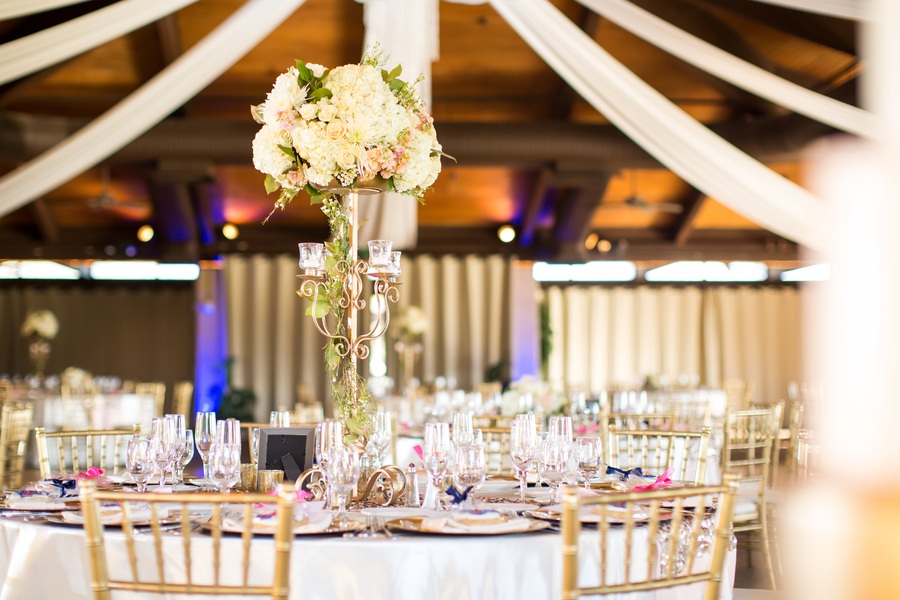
(50,561)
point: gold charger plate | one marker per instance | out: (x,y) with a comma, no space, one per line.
(414,525)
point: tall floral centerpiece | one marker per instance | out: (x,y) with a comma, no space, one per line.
(334,134)
(39,328)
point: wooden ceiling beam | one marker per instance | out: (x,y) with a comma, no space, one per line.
(838,34)
(43,218)
(684,226)
(539,190)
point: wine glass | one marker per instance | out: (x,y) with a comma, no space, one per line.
(553,462)
(229,432)
(381,436)
(343,474)
(436,456)
(462,428)
(329,435)
(204,434)
(186,456)
(470,468)
(523,445)
(561,427)
(140,460)
(225,465)
(589,456)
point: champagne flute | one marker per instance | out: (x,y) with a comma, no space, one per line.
(589,457)
(381,434)
(343,474)
(140,461)
(523,445)
(161,433)
(329,435)
(177,447)
(204,434)
(436,454)
(187,455)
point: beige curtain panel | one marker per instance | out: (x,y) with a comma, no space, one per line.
(605,337)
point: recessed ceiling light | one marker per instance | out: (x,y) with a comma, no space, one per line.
(590,242)
(506,233)
(230,231)
(145,233)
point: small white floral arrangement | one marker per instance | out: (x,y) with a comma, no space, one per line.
(412,323)
(40,323)
(343,127)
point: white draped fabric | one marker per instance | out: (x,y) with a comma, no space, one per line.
(54,45)
(407,32)
(695,153)
(19,8)
(732,69)
(606,336)
(147,106)
(277,347)
(859,10)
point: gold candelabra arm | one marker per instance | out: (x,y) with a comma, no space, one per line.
(385,292)
(310,288)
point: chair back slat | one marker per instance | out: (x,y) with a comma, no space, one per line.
(68,446)
(157,574)
(15,427)
(673,532)
(658,450)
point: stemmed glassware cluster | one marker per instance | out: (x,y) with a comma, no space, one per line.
(436,452)
(204,434)
(380,438)
(339,465)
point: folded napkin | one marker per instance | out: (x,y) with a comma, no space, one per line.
(446,525)
(662,482)
(113,515)
(35,503)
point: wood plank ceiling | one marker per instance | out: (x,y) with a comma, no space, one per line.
(510,120)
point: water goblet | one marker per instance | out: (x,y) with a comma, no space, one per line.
(553,463)
(229,432)
(589,456)
(561,427)
(225,465)
(436,456)
(343,475)
(523,445)
(462,430)
(140,460)
(204,434)
(470,468)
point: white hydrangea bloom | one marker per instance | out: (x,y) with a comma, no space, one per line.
(267,156)
(279,109)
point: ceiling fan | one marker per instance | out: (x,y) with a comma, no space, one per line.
(633,200)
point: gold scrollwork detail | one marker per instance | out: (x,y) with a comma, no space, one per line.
(384,487)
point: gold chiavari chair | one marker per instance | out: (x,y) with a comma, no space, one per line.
(670,511)
(15,427)
(496,450)
(689,415)
(656,451)
(157,389)
(747,451)
(183,399)
(187,572)
(112,444)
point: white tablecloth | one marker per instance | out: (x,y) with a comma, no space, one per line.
(43,561)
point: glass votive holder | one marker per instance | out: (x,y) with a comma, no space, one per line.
(394,264)
(248,478)
(379,254)
(312,255)
(268,480)
(280,418)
